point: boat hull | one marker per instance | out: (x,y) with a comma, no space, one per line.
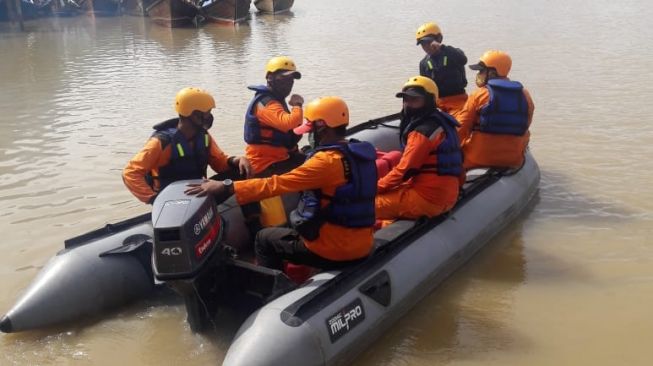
(227,11)
(103,270)
(78,282)
(102,7)
(135,7)
(66,8)
(111,267)
(337,315)
(173,13)
(28,10)
(4,10)
(273,6)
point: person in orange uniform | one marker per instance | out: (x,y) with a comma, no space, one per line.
(269,123)
(445,65)
(332,225)
(425,182)
(180,148)
(497,116)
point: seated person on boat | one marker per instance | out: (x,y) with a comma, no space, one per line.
(445,65)
(180,148)
(425,182)
(333,224)
(271,142)
(496,118)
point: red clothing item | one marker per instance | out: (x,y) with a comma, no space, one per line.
(272,115)
(485,149)
(152,157)
(324,171)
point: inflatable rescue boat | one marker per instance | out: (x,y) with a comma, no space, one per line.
(204,252)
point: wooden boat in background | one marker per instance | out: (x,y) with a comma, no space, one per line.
(174,13)
(226,11)
(67,8)
(133,7)
(102,7)
(273,6)
(30,9)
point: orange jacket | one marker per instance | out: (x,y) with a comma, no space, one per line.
(452,104)
(273,115)
(489,150)
(152,157)
(323,171)
(438,189)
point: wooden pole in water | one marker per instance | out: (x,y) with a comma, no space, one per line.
(10,9)
(19,14)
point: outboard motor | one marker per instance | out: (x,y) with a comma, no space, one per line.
(191,258)
(187,234)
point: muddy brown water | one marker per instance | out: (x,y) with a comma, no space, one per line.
(570,283)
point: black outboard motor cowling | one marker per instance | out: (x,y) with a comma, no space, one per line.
(187,230)
(190,256)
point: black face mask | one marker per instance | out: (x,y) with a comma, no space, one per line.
(281,87)
(425,110)
(315,136)
(410,114)
(200,123)
(207,122)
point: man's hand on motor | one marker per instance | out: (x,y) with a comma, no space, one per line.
(207,186)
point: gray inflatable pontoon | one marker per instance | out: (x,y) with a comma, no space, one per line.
(86,279)
(100,271)
(330,318)
(336,315)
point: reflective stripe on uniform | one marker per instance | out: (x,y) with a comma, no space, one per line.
(180,149)
(430,64)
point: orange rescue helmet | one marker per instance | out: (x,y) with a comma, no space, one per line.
(498,60)
(193,99)
(427,84)
(283,63)
(427,29)
(332,110)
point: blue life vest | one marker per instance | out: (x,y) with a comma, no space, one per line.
(352,205)
(448,154)
(253,126)
(507,111)
(185,162)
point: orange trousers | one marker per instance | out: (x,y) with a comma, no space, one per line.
(404,202)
